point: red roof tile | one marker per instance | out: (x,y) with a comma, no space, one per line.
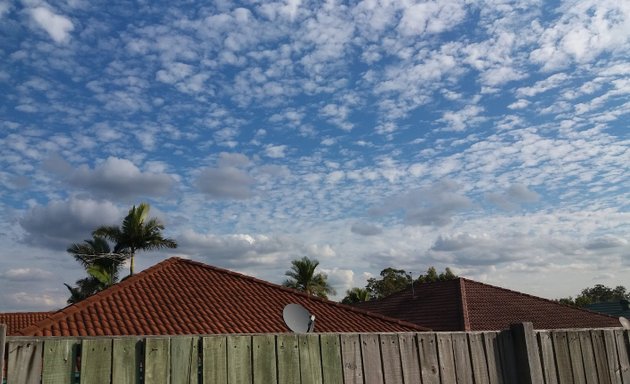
(179,296)
(18,320)
(466,305)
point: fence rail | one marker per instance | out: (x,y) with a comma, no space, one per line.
(518,355)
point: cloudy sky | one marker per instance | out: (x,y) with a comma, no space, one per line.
(488,136)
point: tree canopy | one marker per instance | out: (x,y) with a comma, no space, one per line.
(598,293)
(393,280)
(302,277)
(137,232)
(356,295)
(102,264)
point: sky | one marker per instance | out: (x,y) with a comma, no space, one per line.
(490,137)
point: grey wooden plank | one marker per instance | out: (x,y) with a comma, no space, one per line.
(287,348)
(390,357)
(239,361)
(599,352)
(59,360)
(508,362)
(575,351)
(428,357)
(611,356)
(264,359)
(493,357)
(563,358)
(590,368)
(184,360)
(478,358)
(461,352)
(96,361)
(214,360)
(310,359)
(3,340)
(527,354)
(351,358)
(409,358)
(371,353)
(331,359)
(446,358)
(547,358)
(622,352)
(157,360)
(25,362)
(127,355)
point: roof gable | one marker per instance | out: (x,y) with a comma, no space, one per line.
(466,305)
(179,296)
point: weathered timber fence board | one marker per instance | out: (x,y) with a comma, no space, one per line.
(332,369)
(25,362)
(96,361)
(519,355)
(390,352)
(3,339)
(287,348)
(264,359)
(214,359)
(351,359)
(126,357)
(409,358)
(586,346)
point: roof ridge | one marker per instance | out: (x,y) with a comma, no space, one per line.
(303,294)
(536,297)
(84,304)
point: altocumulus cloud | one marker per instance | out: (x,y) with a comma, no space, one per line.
(57,26)
(228,180)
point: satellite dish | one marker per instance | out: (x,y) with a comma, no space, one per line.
(298,319)
(625,323)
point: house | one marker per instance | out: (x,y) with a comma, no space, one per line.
(612,308)
(179,296)
(466,305)
(18,320)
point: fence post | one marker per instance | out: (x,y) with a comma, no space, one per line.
(528,366)
(3,339)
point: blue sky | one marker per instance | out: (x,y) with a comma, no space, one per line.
(487,136)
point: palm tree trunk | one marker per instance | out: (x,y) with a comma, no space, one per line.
(133,253)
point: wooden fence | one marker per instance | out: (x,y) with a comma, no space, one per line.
(518,355)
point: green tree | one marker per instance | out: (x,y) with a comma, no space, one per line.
(599,293)
(391,281)
(138,232)
(302,277)
(100,263)
(356,295)
(432,276)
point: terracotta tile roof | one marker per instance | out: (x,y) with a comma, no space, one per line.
(466,305)
(18,320)
(179,296)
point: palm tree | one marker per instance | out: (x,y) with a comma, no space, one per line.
(356,295)
(100,263)
(138,232)
(303,277)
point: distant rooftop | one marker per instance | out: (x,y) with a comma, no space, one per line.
(466,305)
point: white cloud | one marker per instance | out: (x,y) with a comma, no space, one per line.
(25,274)
(275,151)
(57,26)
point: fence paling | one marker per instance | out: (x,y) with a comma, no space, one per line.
(519,355)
